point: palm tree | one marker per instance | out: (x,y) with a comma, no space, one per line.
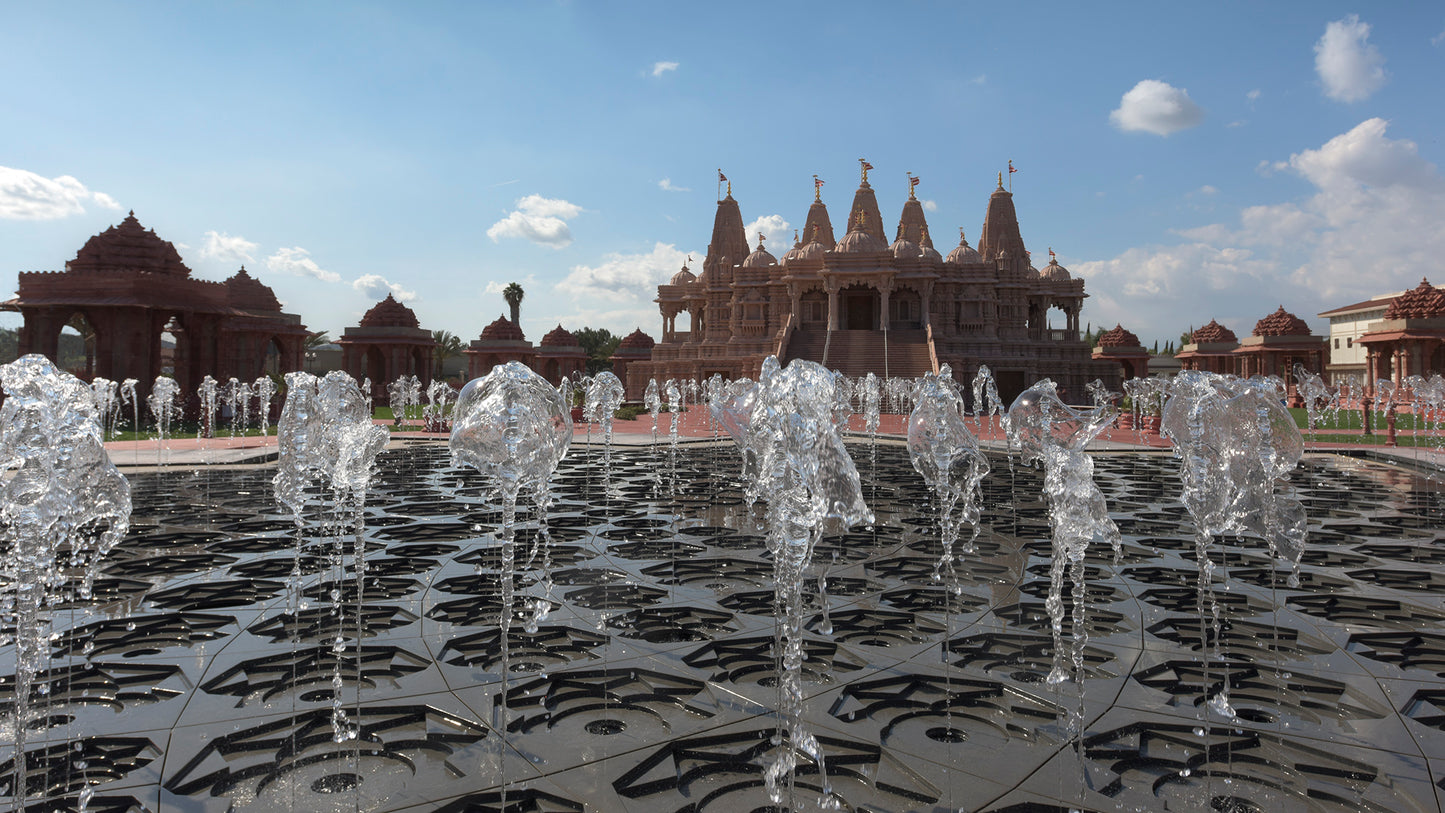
(448,346)
(513,293)
(315,341)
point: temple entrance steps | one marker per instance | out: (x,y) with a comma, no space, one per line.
(858,352)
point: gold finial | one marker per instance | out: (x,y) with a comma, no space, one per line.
(866,166)
(730,188)
(795,237)
(1000,180)
(817,190)
(963,241)
(912,185)
(761,238)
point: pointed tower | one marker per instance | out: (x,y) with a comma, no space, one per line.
(912,225)
(729,244)
(818,228)
(1001,230)
(865,204)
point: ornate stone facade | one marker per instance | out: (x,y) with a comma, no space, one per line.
(1211,350)
(1410,340)
(501,341)
(1123,348)
(127,287)
(861,304)
(388,344)
(560,354)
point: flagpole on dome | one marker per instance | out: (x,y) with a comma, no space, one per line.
(722,179)
(1011,172)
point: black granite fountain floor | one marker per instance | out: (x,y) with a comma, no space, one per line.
(188,684)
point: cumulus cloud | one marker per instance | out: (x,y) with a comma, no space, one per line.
(1253,96)
(1370,226)
(659,68)
(25,195)
(778,231)
(375,286)
(629,279)
(1156,107)
(227,248)
(929,205)
(541,220)
(667,185)
(1350,68)
(297,261)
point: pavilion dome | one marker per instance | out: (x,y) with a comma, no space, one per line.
(560,337)
(636,340)
(1119,337)
(859,242)
(1213,333)
(129,247)
(390,313)
(904,249)
(1424,301)
(812,251)
(1031,272)
(1281,323)
(683,277)
(930,253)
(1055,272)
(503,330)
(247,293)
(760,258)
(964,254)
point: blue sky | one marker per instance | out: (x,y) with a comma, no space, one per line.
(1213,161)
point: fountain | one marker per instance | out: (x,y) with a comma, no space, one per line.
(63,506)
(721,645)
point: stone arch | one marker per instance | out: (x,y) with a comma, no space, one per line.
(91,336)
(905,308)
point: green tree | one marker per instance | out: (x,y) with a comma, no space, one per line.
(1187,337)
(513,293)
(449,346)
(318,339)
(599,344)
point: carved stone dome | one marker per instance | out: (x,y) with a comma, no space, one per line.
(245,292)
(1423,301)
(964,254)
(683,277)
(502,330)
(560,337)
(859,242)
(129,247)
(1055,272)
(1119,337)
(760,259)
(904,249)
(390,313)
(812,251)
(1281,323)
(1213,333)
(636,340)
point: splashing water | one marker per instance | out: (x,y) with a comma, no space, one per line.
(208,395)
(986,402)
(794,459)
(64,506)
(164,408)
(436,416)
(264,389)
(1237,442)
(652,399)
(1046,430)
(327,439)
(1316,393)
(604,398)
(104,393)
(946,454)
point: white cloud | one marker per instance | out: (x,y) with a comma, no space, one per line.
(1369,227)
(1438,38)
(541,220)
(929,205)
(1236,123)
(667,185)
(1156,107)
(659,68)
(1253,96)
(25,195)
(227,248)
(298,261)
(778,231)
(1207,190)
(1349,66)
(629,279)
(375,286)
(981,79)
(495,288)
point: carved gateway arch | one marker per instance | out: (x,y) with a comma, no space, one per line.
(131,285)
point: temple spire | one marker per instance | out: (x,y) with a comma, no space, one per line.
(864,216)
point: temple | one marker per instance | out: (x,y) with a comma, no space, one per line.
(388,344)
(127,287)
(862,304)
